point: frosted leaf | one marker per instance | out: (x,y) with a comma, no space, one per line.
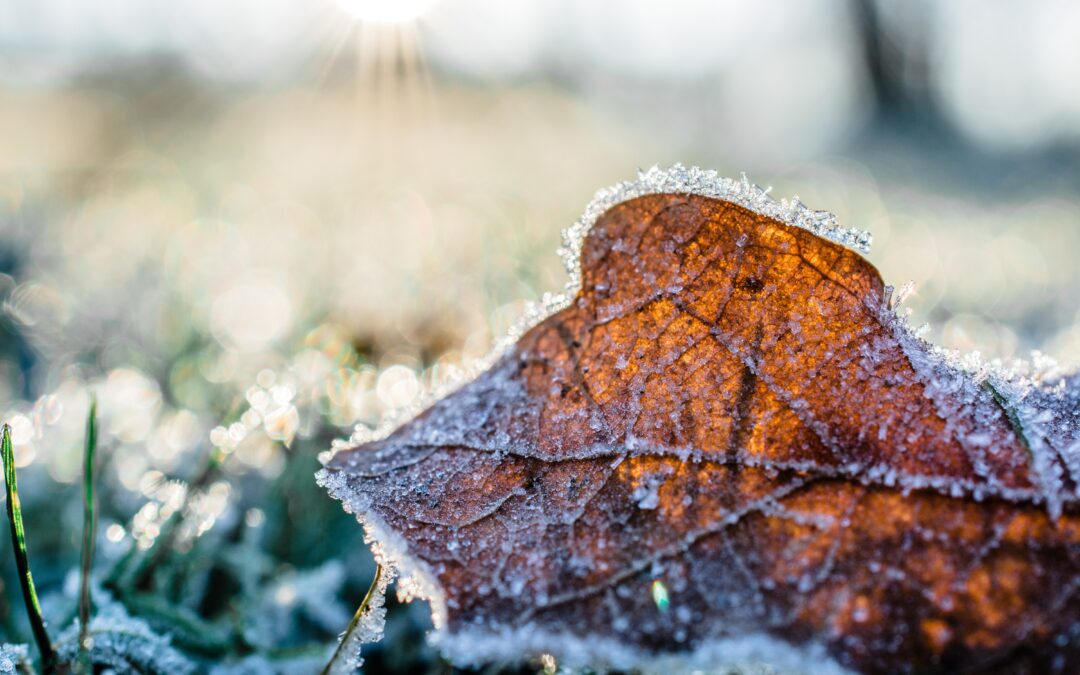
(729,405)
(11,657)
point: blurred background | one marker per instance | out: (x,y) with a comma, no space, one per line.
(251,225)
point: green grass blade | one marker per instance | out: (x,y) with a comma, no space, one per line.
(352,624)
(22,562)
(89,535)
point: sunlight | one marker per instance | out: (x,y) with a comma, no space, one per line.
(378,51)
(386,11)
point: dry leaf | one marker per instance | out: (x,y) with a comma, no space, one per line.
(727,446)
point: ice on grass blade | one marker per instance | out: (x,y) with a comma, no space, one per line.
(366,627)
(22,562)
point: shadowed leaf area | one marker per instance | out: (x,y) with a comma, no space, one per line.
(730,411)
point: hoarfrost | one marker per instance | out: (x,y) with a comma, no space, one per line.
(707,183)
(124,644)
(11,657)
(1038,397)
(368,629)
(415,579)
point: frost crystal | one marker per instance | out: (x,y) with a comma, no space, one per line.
(11,657)
(1039,397)
(707,183)
(368,629)
(124,644)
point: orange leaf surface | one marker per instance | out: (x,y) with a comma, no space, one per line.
(727,447)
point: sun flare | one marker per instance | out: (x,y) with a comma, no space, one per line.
(386,11)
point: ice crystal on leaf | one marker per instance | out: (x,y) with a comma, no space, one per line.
(727,405)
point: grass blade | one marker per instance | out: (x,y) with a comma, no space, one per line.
(89,536)
(352,624)
(22,562)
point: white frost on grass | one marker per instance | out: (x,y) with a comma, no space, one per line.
(258,664)
(311,594)
(124,644)
(368,629)
(11,656)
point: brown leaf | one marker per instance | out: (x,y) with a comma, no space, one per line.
(727,443)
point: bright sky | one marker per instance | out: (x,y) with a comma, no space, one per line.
(1005,72)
